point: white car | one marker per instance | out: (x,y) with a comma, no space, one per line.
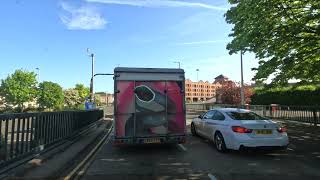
(232,128)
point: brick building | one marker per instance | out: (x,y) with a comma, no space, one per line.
(203,91)
(104,98)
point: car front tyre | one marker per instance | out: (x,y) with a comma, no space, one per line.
(219,143)
(193,130)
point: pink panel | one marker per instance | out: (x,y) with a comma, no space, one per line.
(124,125)
(176,123)
(176,116)
(125,108)
(125,98)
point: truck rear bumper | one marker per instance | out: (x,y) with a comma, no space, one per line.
(179,139)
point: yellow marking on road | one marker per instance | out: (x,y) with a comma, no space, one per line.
(91,153)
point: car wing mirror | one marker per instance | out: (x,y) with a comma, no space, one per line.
(200,116)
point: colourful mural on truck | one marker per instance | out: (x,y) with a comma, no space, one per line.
(157,108)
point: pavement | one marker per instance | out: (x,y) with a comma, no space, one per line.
(198,159)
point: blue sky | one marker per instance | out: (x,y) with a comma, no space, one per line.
(54,35)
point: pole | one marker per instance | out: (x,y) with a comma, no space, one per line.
(197,74)
(91,82)
(178,62)
(242,86)
(38,74)
(92,74)
(106,99)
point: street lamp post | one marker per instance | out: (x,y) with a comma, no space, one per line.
(197,74)
(178,62)
(242,86)
(92,74)
(38,74)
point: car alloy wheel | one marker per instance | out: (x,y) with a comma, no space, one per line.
(219,143)
(193,130)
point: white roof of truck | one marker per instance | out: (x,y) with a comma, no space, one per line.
(147,70)
(148,74)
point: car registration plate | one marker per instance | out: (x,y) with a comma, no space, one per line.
(264,131)
(151,141)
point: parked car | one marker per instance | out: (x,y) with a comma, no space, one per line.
(232,128)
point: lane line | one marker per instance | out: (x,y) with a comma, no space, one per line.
(92,152)
(85,167)
(182,147)
(212,177)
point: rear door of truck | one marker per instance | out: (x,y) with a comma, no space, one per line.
(149,103)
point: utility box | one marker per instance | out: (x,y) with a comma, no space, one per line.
(149,106)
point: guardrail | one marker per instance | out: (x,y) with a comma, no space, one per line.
(306,114)
(25,133)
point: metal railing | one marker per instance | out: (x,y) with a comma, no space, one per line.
(306,114)
(25,133)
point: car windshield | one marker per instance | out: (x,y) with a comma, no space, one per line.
(245,116)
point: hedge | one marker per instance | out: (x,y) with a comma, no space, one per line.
(295,95)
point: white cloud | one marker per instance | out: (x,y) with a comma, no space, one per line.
(84,17)
(202,42)
(160,3)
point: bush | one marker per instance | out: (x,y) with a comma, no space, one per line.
(296,95)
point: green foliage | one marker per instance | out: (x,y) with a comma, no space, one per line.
(97,100)
(299,95)
(19,88)
(75,97)
(72,98)
(50,95)
(284,35)
(83,91)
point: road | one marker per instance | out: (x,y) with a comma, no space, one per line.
(197,159)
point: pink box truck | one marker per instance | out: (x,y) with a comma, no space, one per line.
(149,106)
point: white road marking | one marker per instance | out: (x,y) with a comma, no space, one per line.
(212,177)
(182,147)
(290,149)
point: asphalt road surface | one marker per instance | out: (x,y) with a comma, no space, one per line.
(198,159)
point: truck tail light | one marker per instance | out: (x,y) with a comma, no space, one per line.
(239,129)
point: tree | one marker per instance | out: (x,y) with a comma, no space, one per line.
(72,98)
(83,91)
(19,88)
(2,104)
(283,34)
(97,100)
(50,95)
(75,97)
(229,93)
